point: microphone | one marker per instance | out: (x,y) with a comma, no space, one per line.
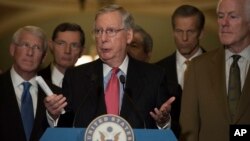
(93,78)
(123,81)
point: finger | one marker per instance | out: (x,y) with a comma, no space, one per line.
(156,114)
(170,101)
(153,115)
(157,111)
(167,105)
(60,104)
(49,98)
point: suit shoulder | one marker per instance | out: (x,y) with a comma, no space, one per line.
(207,55)
(84,68)
(45,73)
(149,68)
(4,77)
(167,60)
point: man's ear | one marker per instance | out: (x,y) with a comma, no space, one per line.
(130,35)
(44,57)
(201,34)
(81,51)
(12,49)
(50,46)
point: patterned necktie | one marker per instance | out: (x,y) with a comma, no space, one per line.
(27,112)
(234,86)
(187,62)
(112,93)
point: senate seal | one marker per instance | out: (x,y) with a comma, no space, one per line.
(109,128)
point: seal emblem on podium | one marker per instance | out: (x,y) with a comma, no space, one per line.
(109,128)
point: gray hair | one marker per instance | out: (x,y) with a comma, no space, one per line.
(127,18)
(34,30)
(246,7)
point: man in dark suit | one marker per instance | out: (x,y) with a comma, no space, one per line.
(28,48)
(142,97)
(188,25)
(66,46)
(207,110)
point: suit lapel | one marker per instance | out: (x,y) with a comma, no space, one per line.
(218,80)
(134,85)
(173,69)
(96,88)
(244,99)
(14,117)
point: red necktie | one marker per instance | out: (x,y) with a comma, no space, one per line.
(112,93)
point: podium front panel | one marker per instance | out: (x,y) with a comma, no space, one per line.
(77,134)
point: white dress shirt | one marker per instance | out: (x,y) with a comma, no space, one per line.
(17,81)
(56,76)
(123,71)
(243,63)
(181,65)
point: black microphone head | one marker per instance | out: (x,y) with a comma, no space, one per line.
(122,79)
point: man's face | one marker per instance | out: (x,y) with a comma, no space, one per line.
(186,35)
(66,49)
(111,49)
(28,53)
(234,30)
(136,48)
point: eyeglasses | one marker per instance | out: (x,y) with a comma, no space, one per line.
(110,32)
(63,44)
(27,45)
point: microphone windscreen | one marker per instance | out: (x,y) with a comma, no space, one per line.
(122,79)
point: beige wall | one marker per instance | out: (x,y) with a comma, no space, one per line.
(153,15)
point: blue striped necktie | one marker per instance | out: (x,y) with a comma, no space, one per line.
(27,112)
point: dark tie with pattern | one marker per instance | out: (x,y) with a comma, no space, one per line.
(234,86)
(112,93)
(187,62)
(27,112)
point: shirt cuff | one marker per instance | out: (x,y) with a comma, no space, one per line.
(52,123)
(167,125)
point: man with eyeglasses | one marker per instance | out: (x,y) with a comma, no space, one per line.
(28,48)
(66,46)
(142,97)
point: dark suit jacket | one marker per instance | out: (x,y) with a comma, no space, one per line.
(46,73)
(145,90)
(169,64)
(11,128)
(204,111)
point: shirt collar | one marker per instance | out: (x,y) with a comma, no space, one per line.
(123,67)
(56,74)
(181,59)
(245,54)
(18,80)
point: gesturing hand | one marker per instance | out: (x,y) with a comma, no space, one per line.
(162,115)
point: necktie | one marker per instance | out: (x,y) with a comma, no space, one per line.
(27,110)
(187,64)
(234,86)
(112,93)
